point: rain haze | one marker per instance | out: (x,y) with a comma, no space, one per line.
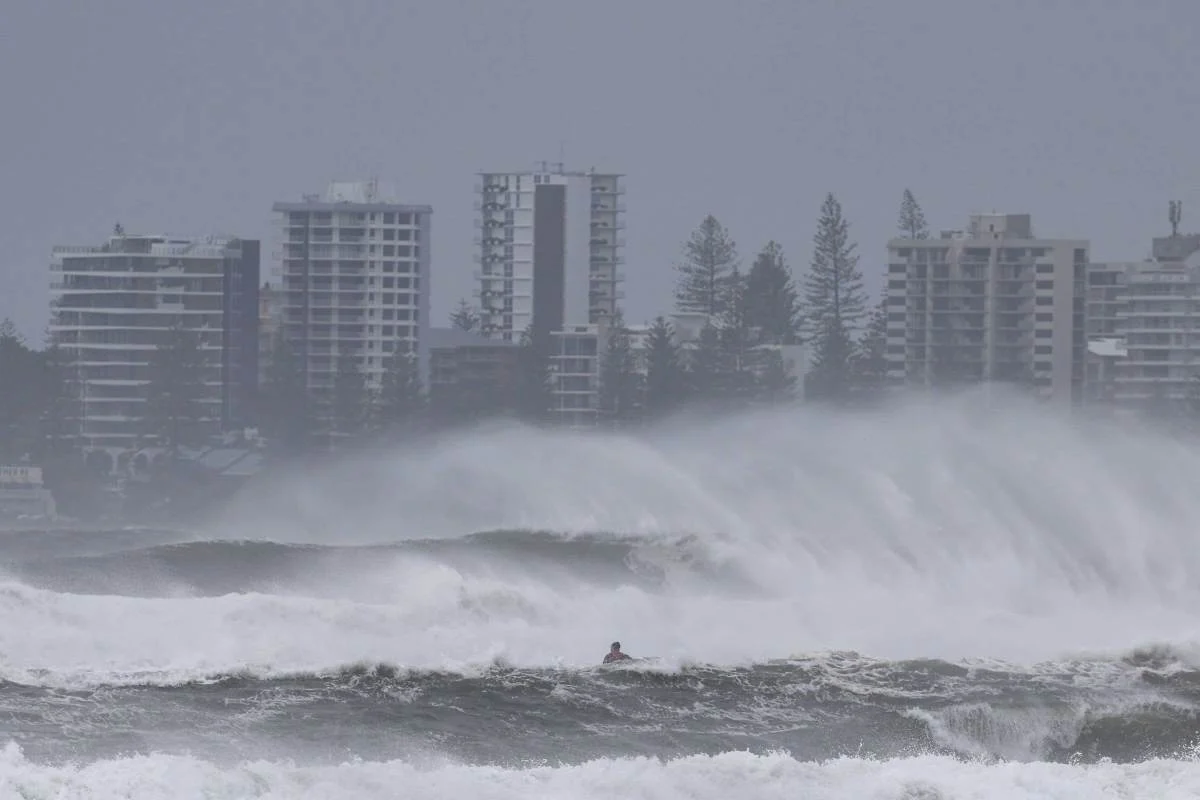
(648,514)
(192,119)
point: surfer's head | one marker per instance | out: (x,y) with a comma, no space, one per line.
(616,647)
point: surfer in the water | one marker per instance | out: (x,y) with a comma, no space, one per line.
(615,654)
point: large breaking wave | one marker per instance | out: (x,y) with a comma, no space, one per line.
(1019,585)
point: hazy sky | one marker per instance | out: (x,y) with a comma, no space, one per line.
(192,118)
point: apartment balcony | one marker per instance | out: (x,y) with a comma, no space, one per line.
(600,191)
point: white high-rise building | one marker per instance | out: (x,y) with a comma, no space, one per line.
(1150,312)
(550,250)
(354,269)
(114,304)
(991,303)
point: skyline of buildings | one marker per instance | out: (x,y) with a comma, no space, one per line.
(352,275)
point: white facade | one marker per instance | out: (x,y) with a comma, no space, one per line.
(575,361)
(353,266)
(550,246)
(114,304)
(1152,308)
(991,303)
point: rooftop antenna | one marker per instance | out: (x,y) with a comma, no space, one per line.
(1175,215)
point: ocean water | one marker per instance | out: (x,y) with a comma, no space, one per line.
(957,600)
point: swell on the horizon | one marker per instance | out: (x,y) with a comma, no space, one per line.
(950,528)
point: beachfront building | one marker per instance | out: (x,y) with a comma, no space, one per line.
(989,303)
(550,246)
(115,304)
(353,266)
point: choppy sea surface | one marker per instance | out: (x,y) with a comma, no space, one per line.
(911,606)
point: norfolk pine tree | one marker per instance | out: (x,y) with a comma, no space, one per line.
(619,379)
(709,258)
(871,356)
(912,219)
(834,303)
(465,317)
(738,360)
(666,381)
(771,302)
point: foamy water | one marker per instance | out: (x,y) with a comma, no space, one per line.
(1003,534)
(740,775)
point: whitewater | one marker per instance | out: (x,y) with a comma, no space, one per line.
(967,597)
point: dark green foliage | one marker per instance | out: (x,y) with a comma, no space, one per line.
(666,381)
(912,219)
(835,303)
(465,317)
(771,304)
(620,382)
(22,384)
(871,354)
(707,369)
(774,384)
(738,342)
(709,258)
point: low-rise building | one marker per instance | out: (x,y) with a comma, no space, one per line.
(23,495)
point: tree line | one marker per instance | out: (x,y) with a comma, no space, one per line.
(749,318)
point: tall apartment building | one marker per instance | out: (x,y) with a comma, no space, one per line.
(550,250)
(1153,309)
(114,304)
(990,303)
(354,268)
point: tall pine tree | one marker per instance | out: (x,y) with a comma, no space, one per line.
(709,258)
(708,371)
(912,219)
(738,362)
(834,304)
(666,381)
(60,406)
(20,393)
(871,353)
(620,382)
(772,306)
(465,317)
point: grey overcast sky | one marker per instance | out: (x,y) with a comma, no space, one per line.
(192,118)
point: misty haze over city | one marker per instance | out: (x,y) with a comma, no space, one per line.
(548,399)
